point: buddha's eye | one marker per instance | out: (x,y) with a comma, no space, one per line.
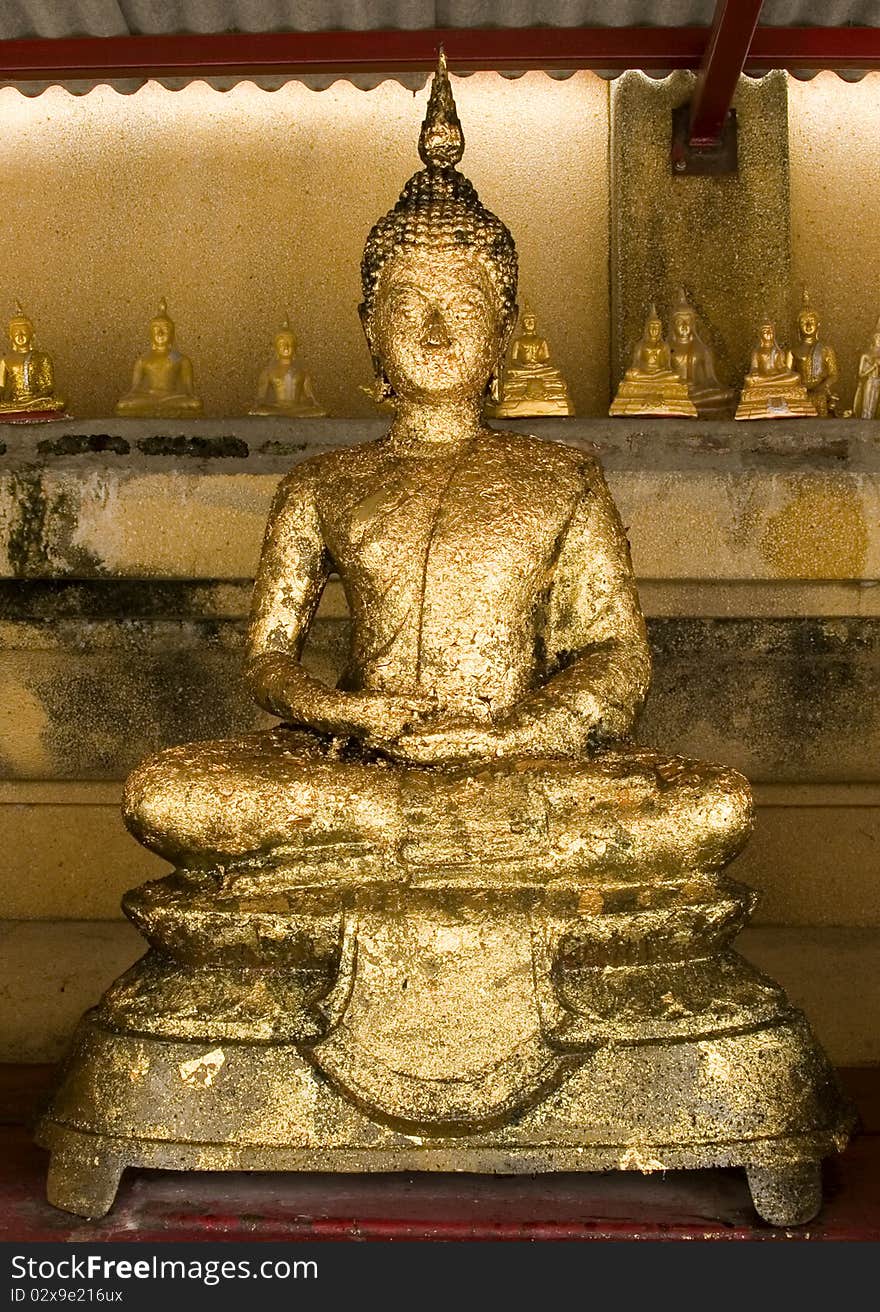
(466,309)
(409,305)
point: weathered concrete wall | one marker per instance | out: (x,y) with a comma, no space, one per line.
(720,501)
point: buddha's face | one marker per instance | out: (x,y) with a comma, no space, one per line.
(654,331)
(529,323)
(21,334)
(436,324)
(876,341)
(808,324)
(683,327)
(161,334)
(285,347)
(768,335)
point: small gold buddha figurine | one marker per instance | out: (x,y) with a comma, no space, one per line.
(815,362)
(284,387)
(694,363)
(444,915)
(27,377)
(772,388)
(162,385)
(867,397)
(651,386)
(529,385)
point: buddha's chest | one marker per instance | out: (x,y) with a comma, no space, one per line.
(444,533)
(21,375)
(161,372)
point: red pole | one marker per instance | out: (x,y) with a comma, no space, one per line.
(733,28)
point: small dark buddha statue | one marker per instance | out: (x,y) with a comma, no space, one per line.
(444,916)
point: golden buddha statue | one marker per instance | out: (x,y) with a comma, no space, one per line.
(772,388)
(27,377)
(162,385)
(867,394)
(694,363)
(444,916)
(815,362)
(528,384)
(651,386)
(284,387)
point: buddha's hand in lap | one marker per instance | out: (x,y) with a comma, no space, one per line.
(451,741)
(376,718)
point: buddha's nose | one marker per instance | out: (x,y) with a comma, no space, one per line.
(435,333)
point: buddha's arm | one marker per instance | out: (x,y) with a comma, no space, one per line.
(263,387)
(185,376)
(594,639)
(294,567)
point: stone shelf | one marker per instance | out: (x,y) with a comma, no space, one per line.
(776,502)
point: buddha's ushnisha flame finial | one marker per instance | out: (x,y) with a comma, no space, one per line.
(441,141)
(439,209)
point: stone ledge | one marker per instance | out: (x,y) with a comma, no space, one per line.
(711,501)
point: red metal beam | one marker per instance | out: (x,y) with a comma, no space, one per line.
(611,49)
(733,27)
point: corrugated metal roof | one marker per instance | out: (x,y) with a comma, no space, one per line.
(68,18)
(24,19)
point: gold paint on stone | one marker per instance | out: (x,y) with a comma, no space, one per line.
(444,916)
(528,384)
(815,361)
(773,389)
(867,397)
(284,387)
(27,376)
(162,386)
(650,385)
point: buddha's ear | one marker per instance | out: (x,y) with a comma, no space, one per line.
(508,326)
(364,313)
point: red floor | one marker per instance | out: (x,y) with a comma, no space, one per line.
(157,1205)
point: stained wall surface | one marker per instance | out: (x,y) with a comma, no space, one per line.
(239,205)
(834,156)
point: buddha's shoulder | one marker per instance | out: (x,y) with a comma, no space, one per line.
(319,470)
(545,456)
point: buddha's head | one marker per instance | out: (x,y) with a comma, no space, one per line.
(684,320)
(529,321)
(21,330)
(439,274)
(285,342)
(767,334)
(162,329)
(683,326)
(653,327)
(808,319)
(875,343)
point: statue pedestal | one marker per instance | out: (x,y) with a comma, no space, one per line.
(431,1020)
